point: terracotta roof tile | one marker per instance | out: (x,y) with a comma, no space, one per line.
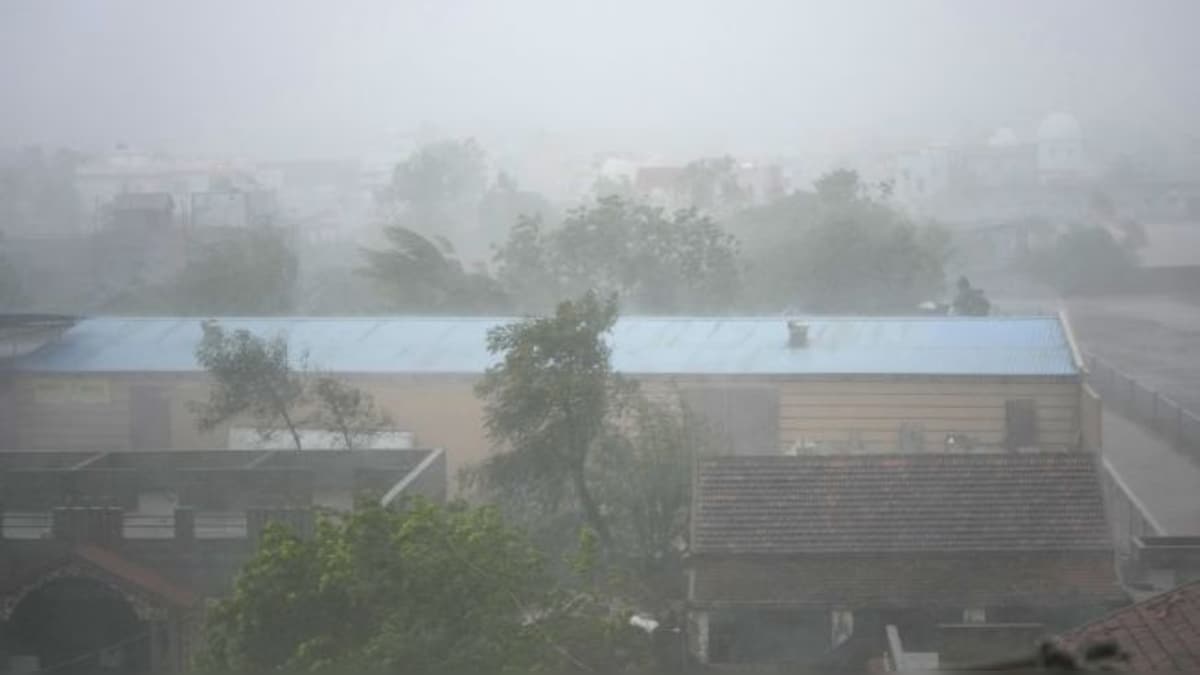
(141,577)
(1162,633)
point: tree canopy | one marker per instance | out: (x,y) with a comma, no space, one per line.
(652,261)
(248,273)
(578,446)
(261,378)
(422,589)
(547,402)
(840,249)
(422,274)
(252,376)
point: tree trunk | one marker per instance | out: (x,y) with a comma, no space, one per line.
(591,511)
(287,419)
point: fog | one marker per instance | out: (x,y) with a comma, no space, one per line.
(295,79)
(619,336)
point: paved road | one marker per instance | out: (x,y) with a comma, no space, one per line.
(1167,483)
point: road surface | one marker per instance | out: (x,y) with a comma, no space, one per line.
(1167,483)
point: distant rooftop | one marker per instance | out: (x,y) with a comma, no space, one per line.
(899,504)
(641,345)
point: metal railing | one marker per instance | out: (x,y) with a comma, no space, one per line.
(1133,399)
(27,525)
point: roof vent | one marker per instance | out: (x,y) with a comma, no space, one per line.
(797,334)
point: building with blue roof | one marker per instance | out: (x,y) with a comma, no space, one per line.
(767,384)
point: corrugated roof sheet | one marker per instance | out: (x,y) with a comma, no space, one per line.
(899,503)
(642,345)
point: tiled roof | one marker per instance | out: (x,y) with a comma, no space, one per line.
(140,577)
(641,345)
(899,503)
(1162,633)
(20,570)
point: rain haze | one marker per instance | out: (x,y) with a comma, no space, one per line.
(297,79)
(659,337)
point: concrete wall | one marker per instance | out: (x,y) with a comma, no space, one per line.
(955,580)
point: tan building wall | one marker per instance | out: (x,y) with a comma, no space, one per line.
(98,412)
(120,412)
(870,414)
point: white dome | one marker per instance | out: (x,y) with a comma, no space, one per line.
(1059,127)
(1002,138)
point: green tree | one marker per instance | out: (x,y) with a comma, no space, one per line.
(252,376)
(840,249)
(420,274)
(506,203)
(439,175)
(422,589)
(253,276)
(581,447)
(1084,259)
(712,183)
(262,379)
(547,403)
(348,411)
(644,480)
(250,273)
(652,261)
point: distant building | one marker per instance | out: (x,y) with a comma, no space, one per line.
(110,558)
(806,560)
(113,185)
(816,385)
(1047,175)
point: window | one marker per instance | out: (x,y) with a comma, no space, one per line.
(745,418)
(1020,423)
(974,615)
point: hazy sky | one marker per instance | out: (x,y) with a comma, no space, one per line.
(288,77)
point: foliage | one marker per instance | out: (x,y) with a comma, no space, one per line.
(644,481)
(258,377)
(437,191)
(652,261)
(251,273)
(37,192)
(712,183)
(547,402)
(583,448)
(419,274)
(424,589)
(505,203)
(349,411)
(841,250)
(217,281)
(439,174)
(252,376)
(1083,260)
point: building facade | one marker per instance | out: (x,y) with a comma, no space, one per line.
(851,385)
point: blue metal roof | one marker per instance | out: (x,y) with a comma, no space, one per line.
(641,345)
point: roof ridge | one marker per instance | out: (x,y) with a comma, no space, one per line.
(1138,606)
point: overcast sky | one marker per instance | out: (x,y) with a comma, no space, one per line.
(300,78)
